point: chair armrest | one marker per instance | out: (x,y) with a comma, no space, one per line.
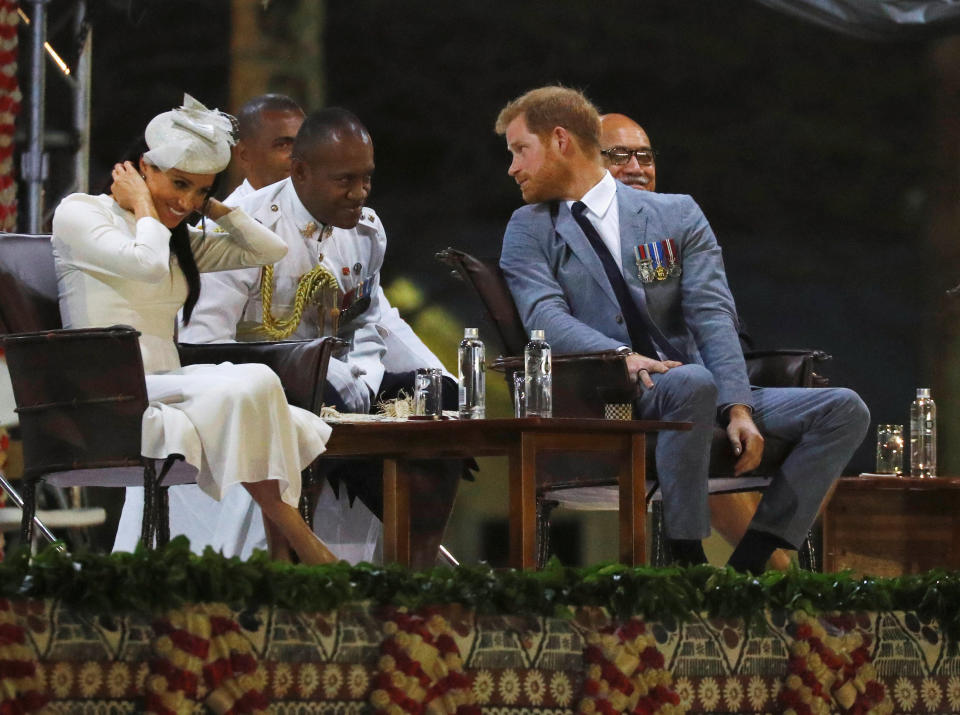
(582,382)
(300,364)
(786,368)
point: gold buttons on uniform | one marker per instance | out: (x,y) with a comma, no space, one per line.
(274,207)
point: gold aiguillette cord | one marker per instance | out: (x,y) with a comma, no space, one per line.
(314,280)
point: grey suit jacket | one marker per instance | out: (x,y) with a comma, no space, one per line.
(559,284)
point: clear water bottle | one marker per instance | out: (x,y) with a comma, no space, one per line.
(538,376)
(923,435)
(472,374)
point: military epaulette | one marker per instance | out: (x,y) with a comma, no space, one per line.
(368,218)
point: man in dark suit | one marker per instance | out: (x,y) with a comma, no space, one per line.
(599,266)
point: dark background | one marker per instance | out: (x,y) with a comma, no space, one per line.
(811,153)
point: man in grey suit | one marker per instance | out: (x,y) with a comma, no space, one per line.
(600,266)
(629,157)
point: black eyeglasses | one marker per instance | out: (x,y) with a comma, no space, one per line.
(620,155)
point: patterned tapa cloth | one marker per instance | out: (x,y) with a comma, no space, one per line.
(362,658)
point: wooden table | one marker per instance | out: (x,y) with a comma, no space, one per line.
(889,526)
(522,441)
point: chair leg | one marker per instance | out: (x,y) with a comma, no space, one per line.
(149,508)
(29,497)
(443,554)
(161,501)
(658,549)
(307,503)
(807,555)
(17,501)
(544,509)
(163,516)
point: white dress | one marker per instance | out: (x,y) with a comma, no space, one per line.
(230,422)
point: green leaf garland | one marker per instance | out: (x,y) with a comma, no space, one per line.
(161,579)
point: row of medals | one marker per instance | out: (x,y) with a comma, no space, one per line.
(648,273)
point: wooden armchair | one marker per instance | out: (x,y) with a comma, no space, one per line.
(81,394)
(584,383)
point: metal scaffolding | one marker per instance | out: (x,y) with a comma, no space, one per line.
(34,160)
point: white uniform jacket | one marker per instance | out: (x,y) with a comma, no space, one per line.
(405,350)
(354,256)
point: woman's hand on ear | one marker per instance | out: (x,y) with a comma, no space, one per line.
(130,191)
(215,210)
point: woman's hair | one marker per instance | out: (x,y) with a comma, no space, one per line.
(179,236)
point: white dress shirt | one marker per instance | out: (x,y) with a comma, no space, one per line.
(603,213)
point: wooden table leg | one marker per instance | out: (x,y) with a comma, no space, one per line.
(633,504)
(523,502)
(396,513)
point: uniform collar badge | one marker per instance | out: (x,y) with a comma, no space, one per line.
(312,227)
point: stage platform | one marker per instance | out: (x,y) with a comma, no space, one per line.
(168,632)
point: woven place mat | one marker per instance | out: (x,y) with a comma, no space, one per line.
(331,415)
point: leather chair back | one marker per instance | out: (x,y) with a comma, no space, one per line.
(786,368)
(100,424)
(487,279)
(28,284)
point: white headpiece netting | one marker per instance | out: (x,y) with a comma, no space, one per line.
(192,138)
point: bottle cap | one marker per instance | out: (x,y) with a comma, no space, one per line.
(923,392)
(536,335)
(470,333)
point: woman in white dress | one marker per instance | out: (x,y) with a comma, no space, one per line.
(131,258)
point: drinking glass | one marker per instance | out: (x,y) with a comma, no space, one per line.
(427,392)
(890,449)
(519,395)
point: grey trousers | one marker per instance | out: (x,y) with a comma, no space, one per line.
(825,424)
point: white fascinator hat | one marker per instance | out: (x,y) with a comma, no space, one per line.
(191,138)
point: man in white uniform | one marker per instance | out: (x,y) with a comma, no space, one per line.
(320,213)
(266,128)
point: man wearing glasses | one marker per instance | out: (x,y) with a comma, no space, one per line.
(630,158)
(601,267)
(627,152)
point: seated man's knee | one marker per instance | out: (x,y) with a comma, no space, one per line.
(850,409)
(687,392)
(693,380)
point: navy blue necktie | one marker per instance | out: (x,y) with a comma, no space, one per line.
(638,326)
